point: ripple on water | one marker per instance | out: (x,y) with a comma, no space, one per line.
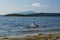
(17,25)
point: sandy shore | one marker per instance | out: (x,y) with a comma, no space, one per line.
(51,36)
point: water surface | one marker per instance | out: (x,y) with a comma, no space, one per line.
(13,26)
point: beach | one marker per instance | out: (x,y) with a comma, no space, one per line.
(49,36)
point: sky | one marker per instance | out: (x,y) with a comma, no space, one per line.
(46,6)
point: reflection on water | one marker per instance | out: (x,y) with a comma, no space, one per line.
(19,25)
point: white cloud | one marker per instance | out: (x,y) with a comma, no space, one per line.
(36,5)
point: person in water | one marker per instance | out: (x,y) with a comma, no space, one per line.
(34,25)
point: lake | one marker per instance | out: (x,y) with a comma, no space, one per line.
(15,26)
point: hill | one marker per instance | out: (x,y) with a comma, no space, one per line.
(35,14)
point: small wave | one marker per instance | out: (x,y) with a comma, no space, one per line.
(39,30)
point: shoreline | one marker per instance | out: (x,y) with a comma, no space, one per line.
(39,36)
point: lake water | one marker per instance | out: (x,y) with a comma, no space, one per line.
(14,26)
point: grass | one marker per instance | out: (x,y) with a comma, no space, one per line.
(55,36)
